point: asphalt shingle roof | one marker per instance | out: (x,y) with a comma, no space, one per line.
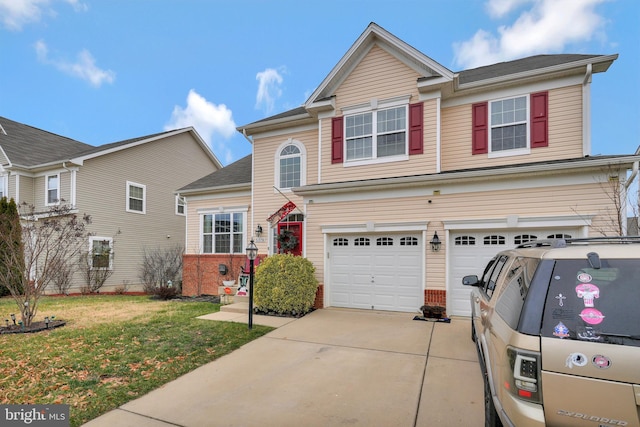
(237,173)
(518,66)
(29,146)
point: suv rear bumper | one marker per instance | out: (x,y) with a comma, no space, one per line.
(516,412)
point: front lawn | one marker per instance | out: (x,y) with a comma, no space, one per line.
(113,349)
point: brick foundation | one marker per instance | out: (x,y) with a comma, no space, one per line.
(435,297)
(319,301)
(201,275)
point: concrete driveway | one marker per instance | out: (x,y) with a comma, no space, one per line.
(332,367)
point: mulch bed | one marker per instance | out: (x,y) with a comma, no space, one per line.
(35,327)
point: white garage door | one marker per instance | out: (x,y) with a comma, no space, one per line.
(376,272)
(471,251)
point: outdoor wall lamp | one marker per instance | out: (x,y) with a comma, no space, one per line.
(435,242)
(252,254)
(258,230)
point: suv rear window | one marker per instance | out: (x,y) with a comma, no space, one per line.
(589,304)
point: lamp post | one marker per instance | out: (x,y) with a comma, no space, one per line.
(252,253)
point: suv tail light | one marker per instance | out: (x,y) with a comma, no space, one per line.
(523,378)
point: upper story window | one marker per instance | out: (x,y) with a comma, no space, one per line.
(3,186)
(376,134)
(180,205)
(223,233)
(52,190)
(508,124)
(290,165)
(136,197)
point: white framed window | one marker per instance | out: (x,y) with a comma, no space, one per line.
(377,134)
(136,197)
(509,121)
(4,186)
(181,205)
(52,189)
(101,252)
(223,233)
(290,165)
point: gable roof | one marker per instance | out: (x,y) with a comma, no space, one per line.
(27,146)
(378,36)
(234,176)
(433,75)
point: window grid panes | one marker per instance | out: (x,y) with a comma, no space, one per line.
(509,124)
(222,233)
(136,198)
(361,241)
(340,241)
(52,189)
(408,241)
(384,241)
(494,240)
(100,253)
(524,238)
(465,241)
(380,133)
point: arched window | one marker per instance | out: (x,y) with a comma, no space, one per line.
(290,165)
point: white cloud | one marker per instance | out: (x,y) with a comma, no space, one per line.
(547,26)
(84,67)
(269,82)
(209,120)
(14,14)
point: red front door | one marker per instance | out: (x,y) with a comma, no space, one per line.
(293,243)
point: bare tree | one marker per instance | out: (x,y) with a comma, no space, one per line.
(161,270)
(49,240)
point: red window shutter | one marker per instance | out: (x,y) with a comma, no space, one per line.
(480,128)
(337,139)
(416,138)
(539,119)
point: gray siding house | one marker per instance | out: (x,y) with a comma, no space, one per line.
(128,188)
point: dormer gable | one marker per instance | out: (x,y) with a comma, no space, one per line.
(431,74)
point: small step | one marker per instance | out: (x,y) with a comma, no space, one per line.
(236,307)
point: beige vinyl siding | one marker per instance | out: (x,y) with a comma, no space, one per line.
(162,166)
(380,76)
(565,134)
(573,200)
(26,186)
(265,198)
(194,218)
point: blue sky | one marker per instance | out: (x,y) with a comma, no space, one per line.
(102,71)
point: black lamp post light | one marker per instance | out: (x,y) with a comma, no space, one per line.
(252,254)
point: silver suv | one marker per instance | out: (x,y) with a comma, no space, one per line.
(557,328)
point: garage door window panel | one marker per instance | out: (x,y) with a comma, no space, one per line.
(465,241)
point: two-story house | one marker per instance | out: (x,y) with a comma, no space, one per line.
(126,187)
(399,176)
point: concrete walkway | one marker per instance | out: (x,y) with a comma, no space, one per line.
(332,367)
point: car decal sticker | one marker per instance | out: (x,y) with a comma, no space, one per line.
(587,333)
(588,292)
(592,316)
(561,299)
(577,359)
(584,277)
(600,361)
(561,331)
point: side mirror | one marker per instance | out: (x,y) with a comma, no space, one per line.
(471,280)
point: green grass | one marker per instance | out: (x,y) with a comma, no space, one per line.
(112,350)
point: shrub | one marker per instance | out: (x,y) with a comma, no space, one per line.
(285,285)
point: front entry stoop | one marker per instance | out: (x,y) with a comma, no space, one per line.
(239,304)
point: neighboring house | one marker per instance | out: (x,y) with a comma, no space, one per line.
(126,187)
(393,151)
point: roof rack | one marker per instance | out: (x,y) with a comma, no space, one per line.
(561,243)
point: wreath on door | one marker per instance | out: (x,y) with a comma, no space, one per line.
(287,240)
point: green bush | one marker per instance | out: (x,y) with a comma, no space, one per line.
(285,285)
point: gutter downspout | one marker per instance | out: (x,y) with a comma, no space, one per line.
(586,111)
(72,183)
